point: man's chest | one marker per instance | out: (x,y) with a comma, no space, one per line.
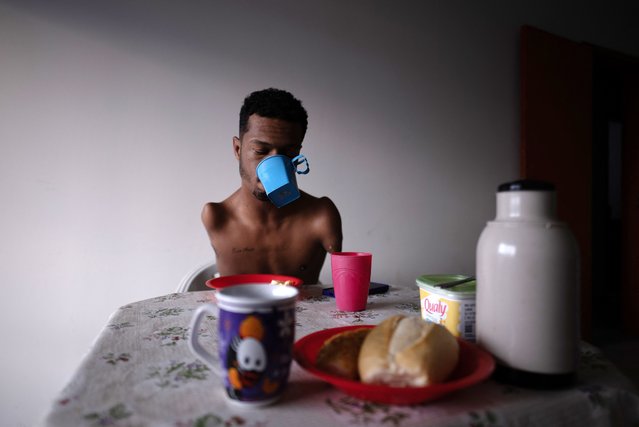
(292,251)
(264,242)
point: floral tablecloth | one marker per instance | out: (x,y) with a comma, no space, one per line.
(140,372)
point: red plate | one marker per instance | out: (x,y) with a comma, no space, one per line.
(474,366)
(241,279)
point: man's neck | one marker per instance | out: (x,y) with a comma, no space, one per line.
(258,210)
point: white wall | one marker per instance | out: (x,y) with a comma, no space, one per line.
(116,120)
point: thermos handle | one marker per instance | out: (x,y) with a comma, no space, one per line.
(298,160)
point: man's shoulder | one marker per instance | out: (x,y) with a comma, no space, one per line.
(214,207)
(317,202)
(223,206)
(215,214)
(324,219)
(320,206)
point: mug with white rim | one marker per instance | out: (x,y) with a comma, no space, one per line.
(256,332)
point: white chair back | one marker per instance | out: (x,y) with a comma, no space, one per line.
(196,279)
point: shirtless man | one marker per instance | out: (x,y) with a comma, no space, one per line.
(249,234)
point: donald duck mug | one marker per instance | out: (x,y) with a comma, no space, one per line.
(256,331)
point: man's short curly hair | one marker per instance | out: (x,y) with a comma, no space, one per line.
(273,104)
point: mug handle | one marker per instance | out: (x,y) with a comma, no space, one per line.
(298,160)
(194,344)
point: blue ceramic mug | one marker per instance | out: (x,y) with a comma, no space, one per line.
(277,174)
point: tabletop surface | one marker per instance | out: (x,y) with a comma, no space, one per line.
(141,372)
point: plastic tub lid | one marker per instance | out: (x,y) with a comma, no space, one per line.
(430,283)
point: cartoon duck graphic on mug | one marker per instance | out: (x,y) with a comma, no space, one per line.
(249,370)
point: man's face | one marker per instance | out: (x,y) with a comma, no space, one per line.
(264,137)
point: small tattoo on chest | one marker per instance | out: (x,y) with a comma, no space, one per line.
(242,250)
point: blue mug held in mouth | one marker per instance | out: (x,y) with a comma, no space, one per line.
(277,174)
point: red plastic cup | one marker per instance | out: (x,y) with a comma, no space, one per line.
(351,279)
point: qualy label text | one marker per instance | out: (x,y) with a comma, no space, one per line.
(435,308)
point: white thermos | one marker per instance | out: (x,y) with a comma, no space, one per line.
(528,289)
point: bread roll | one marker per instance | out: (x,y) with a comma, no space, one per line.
(339,354)
(408,351)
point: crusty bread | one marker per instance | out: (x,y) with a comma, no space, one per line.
(375,346)
(408,351)
(339,354)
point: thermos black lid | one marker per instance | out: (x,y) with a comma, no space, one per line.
(526,185)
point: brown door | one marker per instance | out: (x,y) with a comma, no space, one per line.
(556,135)
(575,98)
(630,199)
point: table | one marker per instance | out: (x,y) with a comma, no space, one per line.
(140,372)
